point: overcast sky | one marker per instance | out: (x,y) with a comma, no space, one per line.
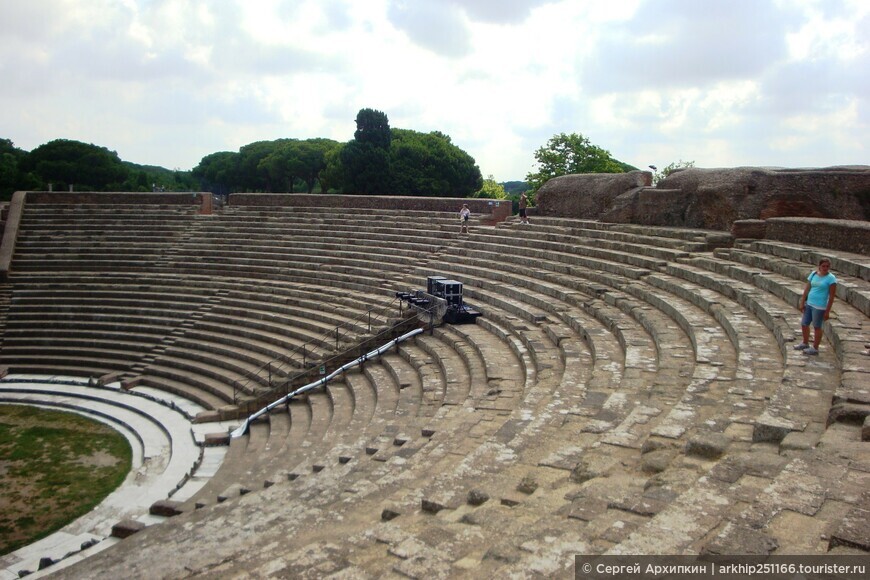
(719,82)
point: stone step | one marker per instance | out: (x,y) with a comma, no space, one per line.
(453,367)
(409,383)
(656,247)
(208,394)
(847,263)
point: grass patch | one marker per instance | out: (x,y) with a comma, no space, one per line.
(54,467)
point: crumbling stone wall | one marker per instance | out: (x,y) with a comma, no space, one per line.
(715,198)
(710,198)
(587,195)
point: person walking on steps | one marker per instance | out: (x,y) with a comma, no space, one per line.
(464,215)
(815,303)
(524,203)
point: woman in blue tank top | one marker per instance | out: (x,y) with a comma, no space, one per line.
(816,302)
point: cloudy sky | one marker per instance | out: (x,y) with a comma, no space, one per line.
(719,82)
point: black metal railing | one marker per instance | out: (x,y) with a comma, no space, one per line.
(304,356)
(425,317)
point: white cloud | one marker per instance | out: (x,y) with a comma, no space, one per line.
(777,82)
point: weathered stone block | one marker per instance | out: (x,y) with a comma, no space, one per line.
(582,472)
(389,514)
(854,531)
(708,445)
(166,508)
(128,384)
(657,461)
(528,485)
(216,439)
(126,528)
(797,441)
(109,378)
(45,563)
(431,506)
(736,539)
(769,429)
(207,417)
(848,413)
(477,497)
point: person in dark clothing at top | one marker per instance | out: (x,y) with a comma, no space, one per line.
(464,215)
(524,203)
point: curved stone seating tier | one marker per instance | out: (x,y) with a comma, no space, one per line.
(758,368)
(805,392)
(368,418)
(550,237)
(164,455)
(600,285)
(312,241)
(242,354)
(644,364)
(473,363)
(387,217)
(560,310)
(452,367)
(653,235)
(628,389)
(766,424)
(348,234)
(566,244)
(855,265)
(851,289)
(310,248)
(400,440)
(423,232)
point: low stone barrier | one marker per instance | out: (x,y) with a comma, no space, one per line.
(202,199)
(844,235)
(749,229)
